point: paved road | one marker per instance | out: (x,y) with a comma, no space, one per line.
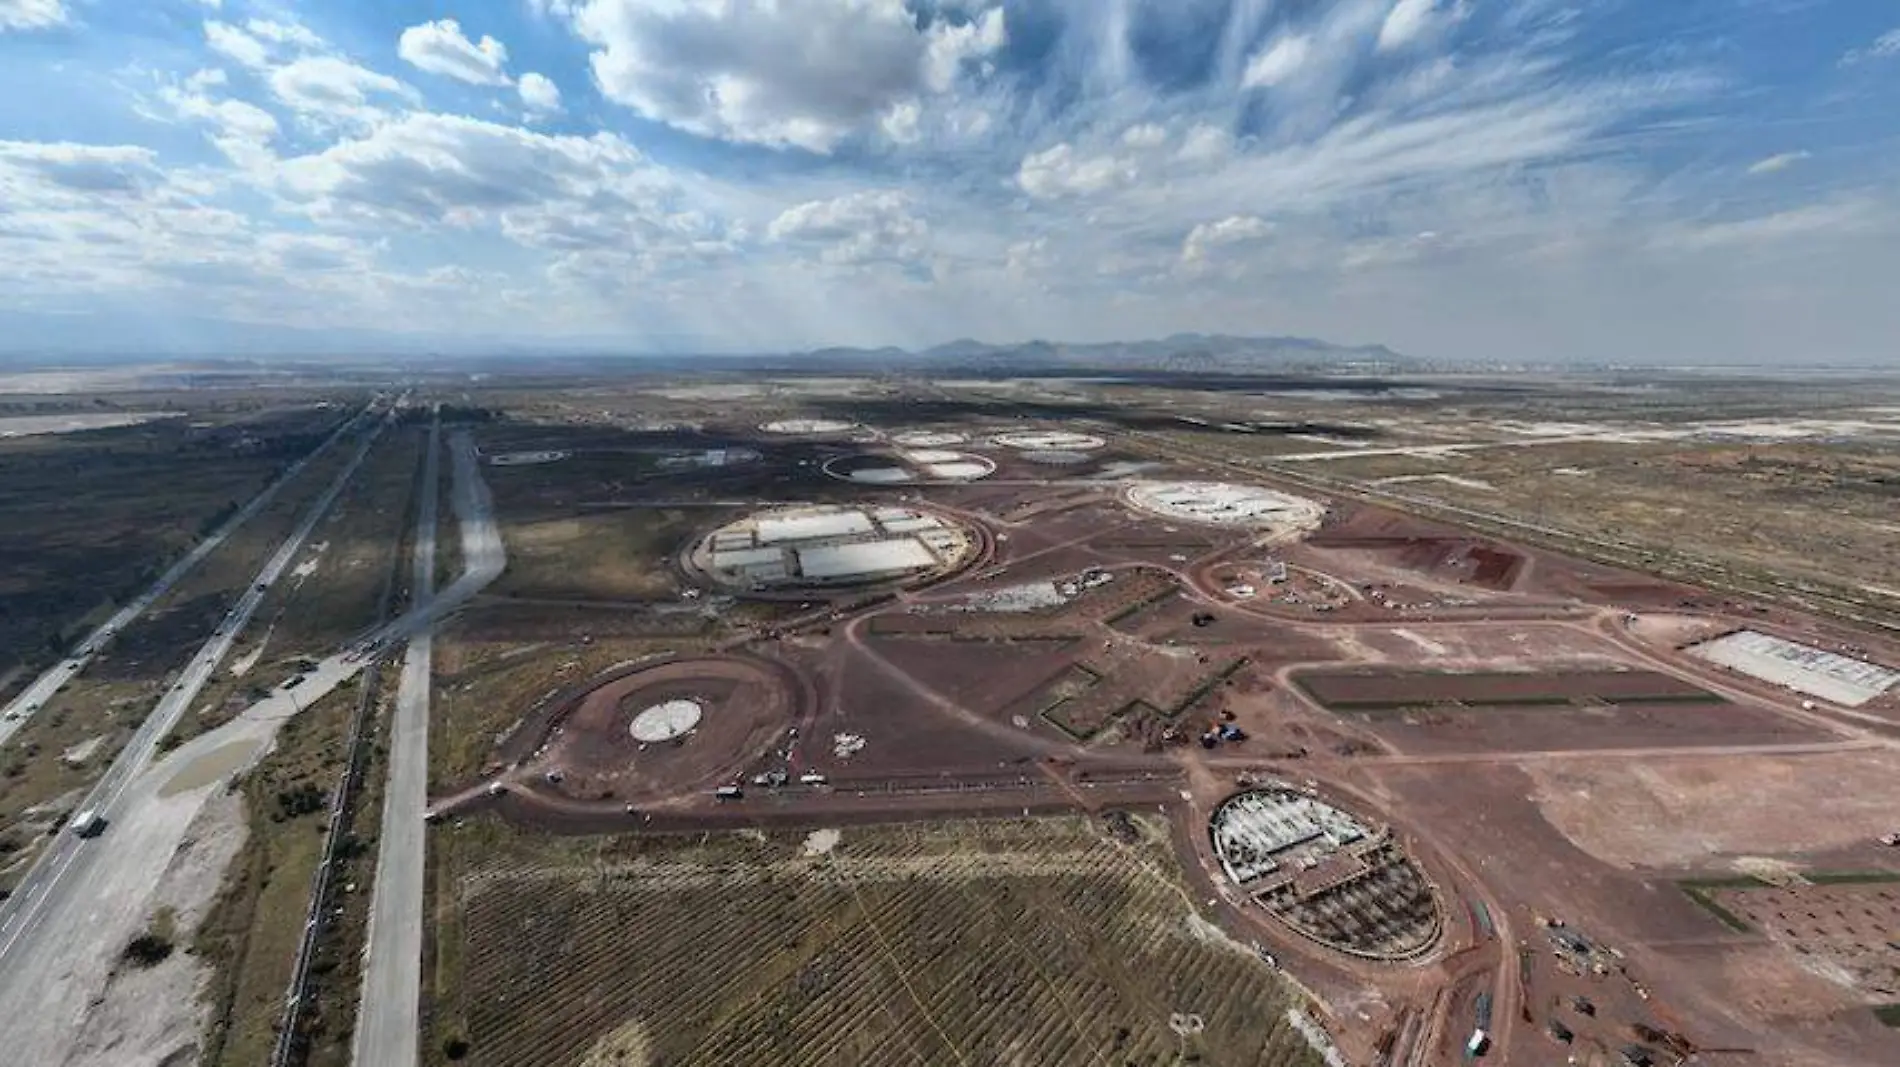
(386,1025)
(43,689)
(388,1016)
(78,889)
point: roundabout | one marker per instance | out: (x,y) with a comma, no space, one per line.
(665,728)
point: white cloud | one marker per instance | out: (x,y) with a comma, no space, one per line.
(285,33)
(1411,20)
(242,131)
(539,94)
(1885,46)
(1778,162)
(439,47)
(31,14)
(1238,229)
(1277,62)
(1145,136)
(33,172)
(259,42)
(1061,171)
(332,90)
(1807,222)
(234,43)
(856,229)
(1205,144)
(803,73)
(423,169)
(949,47)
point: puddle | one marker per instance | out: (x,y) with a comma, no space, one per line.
(210,768)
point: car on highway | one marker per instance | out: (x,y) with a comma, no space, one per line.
(88,824)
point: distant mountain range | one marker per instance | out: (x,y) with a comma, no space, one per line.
(37,339)
(1182,352)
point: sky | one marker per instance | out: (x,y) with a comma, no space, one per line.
(1612,181)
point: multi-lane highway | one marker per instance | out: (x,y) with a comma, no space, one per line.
(61,932)
(79,888)
(44,688)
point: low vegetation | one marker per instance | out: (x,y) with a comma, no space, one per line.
(840,949)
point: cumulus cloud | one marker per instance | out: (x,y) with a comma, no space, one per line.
(548,191)
(1277,62)
(1206,144)
(856,229)
(241,130)
(1779,162)
(259,42)
(786,73)
(539,94)
(1061,171)
(439,47)
(333,90)
(1237,229)
(1145,136)
(31,14)
(31,170)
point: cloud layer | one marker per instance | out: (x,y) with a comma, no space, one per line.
(1499,179)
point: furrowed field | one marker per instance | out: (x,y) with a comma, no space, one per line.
(1043,942)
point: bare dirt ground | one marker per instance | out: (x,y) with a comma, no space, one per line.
(141,1019)
(1663,813)
(1590,808)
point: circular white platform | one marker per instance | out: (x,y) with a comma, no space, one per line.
(664,722)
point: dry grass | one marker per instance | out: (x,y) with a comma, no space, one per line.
(615,555)
(1812,511)
(250,936)
(1013,942)
(352,550)
(485,684)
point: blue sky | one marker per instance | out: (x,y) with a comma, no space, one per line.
(1613,180)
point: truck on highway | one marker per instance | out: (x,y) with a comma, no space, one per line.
(88,823)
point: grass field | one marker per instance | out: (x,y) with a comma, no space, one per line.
(93,517)
(1043,942)
(486,682)
(616,555)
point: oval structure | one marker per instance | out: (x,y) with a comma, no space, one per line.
(1223,504)
(666,721)
(825,546)
(1325,873)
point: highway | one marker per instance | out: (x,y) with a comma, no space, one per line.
(388,1014)
(78,891)
(23,707)
(61,932)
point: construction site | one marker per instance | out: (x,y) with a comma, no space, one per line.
(786,697)
(1313,688)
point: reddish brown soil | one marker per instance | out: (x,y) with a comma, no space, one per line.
(1364,690)
(746,703)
